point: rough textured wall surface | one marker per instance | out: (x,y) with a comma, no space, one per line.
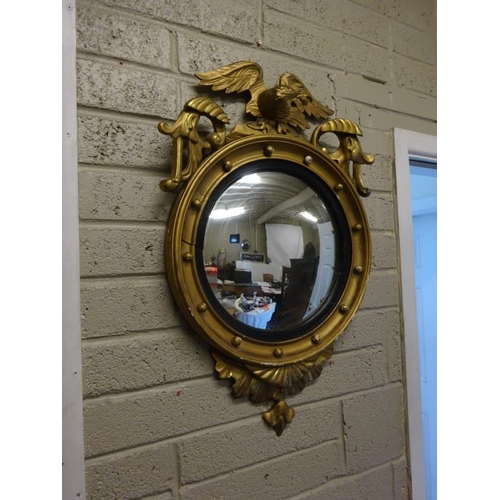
(158,425)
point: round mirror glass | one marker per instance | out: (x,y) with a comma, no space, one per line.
(300,256)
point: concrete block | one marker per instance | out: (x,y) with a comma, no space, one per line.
(414,43)
(135,419)
(166,495)
(135,362)
(117,34)
(379,175)
(118,86)
(151,8)
(344,373)
(385,120)
(111,140)
(401,479)
(379,208)
(112,250)
(119,305)
(115,195)
(416,125)
(366,59)
(122,421)
(420,14)
(380,6)
(311,426)
(365,24)
(374,428)
(369,328)
(237,19)
(375,484)
(408,101)
(376,142)
(200,53)
(383,250)
(358,370)
(382,290)
(277,479)
(394,356)
(326,13)
(284,34)
(132,474)
(352,110)
(362,89)
(415,75)
(117,422)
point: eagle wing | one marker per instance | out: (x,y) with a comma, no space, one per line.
(237,77)
(304,101)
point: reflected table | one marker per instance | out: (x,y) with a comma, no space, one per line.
(257,318)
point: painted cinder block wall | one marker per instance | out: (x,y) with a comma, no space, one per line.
(157,423)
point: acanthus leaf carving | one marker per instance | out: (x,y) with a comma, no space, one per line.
(275,383)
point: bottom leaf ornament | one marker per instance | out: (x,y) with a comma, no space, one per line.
(276,383)
(278,416)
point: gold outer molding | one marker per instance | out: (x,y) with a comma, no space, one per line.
(261,370)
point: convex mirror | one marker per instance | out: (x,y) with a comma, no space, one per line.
(302,234)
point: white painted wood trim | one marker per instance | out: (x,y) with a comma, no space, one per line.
(73,469)
(410,144)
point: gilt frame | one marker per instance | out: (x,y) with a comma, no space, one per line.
(261,369)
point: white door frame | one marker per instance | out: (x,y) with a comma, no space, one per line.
(411,144)
(73,469)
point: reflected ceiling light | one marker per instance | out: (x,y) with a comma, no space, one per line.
(251,179)
(222,213)
(308,216)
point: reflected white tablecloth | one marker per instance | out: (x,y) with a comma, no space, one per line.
(257,319)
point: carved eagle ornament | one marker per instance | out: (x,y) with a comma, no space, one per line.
(287,104)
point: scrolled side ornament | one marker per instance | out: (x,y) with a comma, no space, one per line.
(349,149)
(190,146)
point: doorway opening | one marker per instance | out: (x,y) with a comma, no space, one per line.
(423,186)
(416,155)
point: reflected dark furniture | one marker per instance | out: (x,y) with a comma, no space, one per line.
(297,284)
(226,272)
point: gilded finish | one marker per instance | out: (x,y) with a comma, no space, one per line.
(280,109)
(261,370)
(349,149)
(278,416)
(262,384)
(186,136)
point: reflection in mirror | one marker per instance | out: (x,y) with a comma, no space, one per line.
(290,269)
